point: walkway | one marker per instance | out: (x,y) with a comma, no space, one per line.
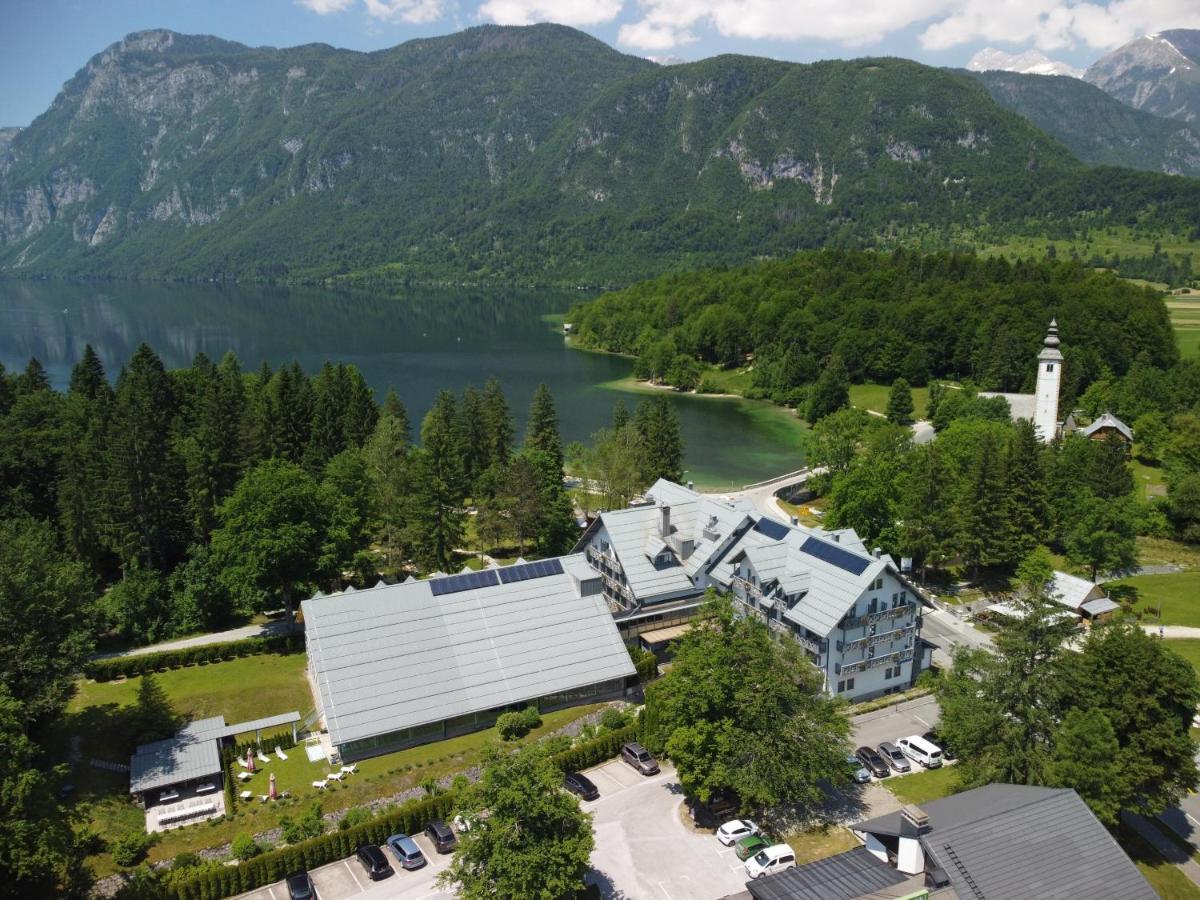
(1170,850)
(762,494)
(219,637)
(1173,631)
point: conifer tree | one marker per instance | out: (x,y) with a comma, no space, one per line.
(900,403)
(361,412)
(6,391)
(1025,515)
(87,377)
(144,476)
(34,378)
(541,432)
(620,415)
(499,424)
(394,408)
(1087,759)
(831,391)
(657,424)
(472,427)
(983,498)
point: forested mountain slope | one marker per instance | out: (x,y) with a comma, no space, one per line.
(1097,128)
(521,153)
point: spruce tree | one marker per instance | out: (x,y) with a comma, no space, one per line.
(900,403)
(1025,515)
(361,413)
(831,391)
(620,415)
(394,408)
(386,457)
(87,378)
(442,439)
(144,475)
(657,424)
(472,426)
(981,503)
(499,422)
(434,519)
(6,391)
(34,378)
(1109,473)
(541,432)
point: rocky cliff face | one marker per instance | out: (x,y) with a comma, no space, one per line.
(500,152)
(1157,73)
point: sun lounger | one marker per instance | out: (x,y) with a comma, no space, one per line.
(247,795)
(319,785)
(350,769)
(335,776)
(263,797)
(244,776)
(243,763)
(279,752)
(262,757)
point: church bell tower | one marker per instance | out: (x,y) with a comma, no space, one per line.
(1049,377)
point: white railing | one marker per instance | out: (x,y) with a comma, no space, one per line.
(877,661)
(874,640)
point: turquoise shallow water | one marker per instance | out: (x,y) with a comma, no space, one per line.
(417,343)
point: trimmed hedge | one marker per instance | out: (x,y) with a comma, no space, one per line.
(596,750)
(131,666)
(277,864)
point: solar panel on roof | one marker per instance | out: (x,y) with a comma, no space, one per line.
(452,584)
(835,555)
(776,531)
(524,572)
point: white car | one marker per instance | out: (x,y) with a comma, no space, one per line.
(771,860)
(732,832)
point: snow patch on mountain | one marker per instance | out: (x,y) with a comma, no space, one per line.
(1030,62)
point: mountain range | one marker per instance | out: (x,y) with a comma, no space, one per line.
(540,154)
(1157,73)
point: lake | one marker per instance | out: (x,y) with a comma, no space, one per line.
(418,343)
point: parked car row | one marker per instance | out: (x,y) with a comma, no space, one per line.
(760,856)
(881,761)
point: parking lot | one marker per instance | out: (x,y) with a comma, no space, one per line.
(643,848)
(346,878)
(894,722)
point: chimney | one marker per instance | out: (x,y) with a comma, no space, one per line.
(877,552)
(795,521)
(910,857)
(835,537)
(664,521)
(691,486)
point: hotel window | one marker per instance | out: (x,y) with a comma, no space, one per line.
(849,684)
(841,686)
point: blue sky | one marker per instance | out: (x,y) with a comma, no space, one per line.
(44,42)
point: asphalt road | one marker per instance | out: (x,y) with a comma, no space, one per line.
(946,631)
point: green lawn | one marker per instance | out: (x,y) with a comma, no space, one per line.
(1178,594)
(921,787)
(1188,649)
(241,689)
(1155,551)
(1106,242)
(728,381)
(1149,479)
(819,843)
(1185,317)
(1168,880)
(875,397)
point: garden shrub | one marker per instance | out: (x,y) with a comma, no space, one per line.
(128,850)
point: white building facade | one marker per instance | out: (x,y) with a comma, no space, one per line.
(855,615)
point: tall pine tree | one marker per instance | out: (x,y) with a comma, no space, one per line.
(541,431)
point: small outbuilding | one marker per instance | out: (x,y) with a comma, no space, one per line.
(1107,426)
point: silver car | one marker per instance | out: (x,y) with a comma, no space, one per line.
(894,757)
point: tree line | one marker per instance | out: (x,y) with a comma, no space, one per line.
(209,492)
(877,317)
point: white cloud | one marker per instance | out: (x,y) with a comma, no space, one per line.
(325,7)
(650,36)
(385,10)
(405,10)
(1048,24)
(564,12)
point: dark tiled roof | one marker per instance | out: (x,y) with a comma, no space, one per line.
(1011,842)
(842,877)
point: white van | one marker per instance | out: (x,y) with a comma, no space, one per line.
(773,859)
(920,750)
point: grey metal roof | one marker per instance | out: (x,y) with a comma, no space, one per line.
(1021,406)
(397,656)
(1108,420)
(1099,605)
(1006,841)
(1072,591)
(259,724)
(842,877)
(173,761)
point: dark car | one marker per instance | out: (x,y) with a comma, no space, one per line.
(300,887)
(875,763)
(373,861)
(934,738)
(440,836)
(407,853)
(639,757)
(580,785)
